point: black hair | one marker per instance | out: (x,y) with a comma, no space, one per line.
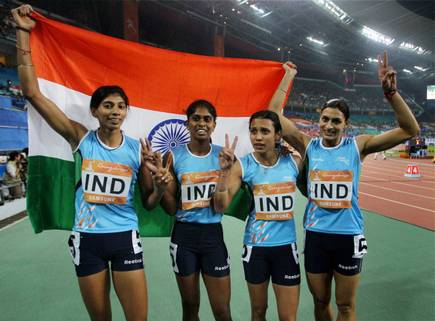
(102,92)
(13,155)
(339,104)
(201,103)
(267,114)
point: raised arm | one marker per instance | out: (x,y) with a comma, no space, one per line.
(290,132)
(408,126)
(230,177)
(67,128)
(154,178)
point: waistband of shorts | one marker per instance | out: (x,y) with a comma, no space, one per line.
(332,235)
(128,232)
(199,225)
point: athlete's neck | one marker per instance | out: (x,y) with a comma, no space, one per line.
(199,147)
(331,142)
(267,158)
(109,137)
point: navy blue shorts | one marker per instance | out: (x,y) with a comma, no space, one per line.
(199,247)
(92,252)
(280,263)
(325,253)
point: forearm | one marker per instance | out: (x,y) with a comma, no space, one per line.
(169,203)
(26,71)
(152,200)
(404,115)
(221,197)
(279,98)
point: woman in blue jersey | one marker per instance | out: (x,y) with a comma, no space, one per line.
(269,251)
(197,245)
(335,244)
(106,225)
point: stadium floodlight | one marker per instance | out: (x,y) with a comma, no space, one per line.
(376,36)
(420,68)
(334,10)
(411,47)
(372,60)
(261,12)
(407,71)
(317,41)
(257,9)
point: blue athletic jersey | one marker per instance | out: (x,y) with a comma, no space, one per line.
(270,222)
(197,177)
(104,198)
(333,175)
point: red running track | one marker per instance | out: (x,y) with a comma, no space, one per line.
(385,190)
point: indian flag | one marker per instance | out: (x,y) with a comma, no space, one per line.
(71,63)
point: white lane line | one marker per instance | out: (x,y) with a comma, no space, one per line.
(12,224)
(404,204)
(406,184)
(397,191)
(381,169)
(411,161)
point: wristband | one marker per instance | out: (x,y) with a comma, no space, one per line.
(390,94)
(22,29)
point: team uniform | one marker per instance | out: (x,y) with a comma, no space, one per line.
(269,249)
(333,221)
(197,242)
(106,224)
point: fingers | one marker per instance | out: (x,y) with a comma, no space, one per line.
(227,141)
(234,144)
(158,159)
(148,144)
(151,167)
(379,62)
(144,145)
(169,161)
(291,65)
(385,59)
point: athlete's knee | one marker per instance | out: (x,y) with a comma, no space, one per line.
(287,316)
(259,311)
(191,306)
(321,302)
(222,313)
(345,307)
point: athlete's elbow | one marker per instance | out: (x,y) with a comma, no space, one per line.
(169,209)
(413,131)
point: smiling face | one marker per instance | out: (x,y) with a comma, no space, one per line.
(201,124)
(263,136)
(332,124)
(111,112)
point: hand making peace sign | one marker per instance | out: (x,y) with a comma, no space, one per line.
(153,161)
(226,155)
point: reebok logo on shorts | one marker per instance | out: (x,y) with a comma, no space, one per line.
(221,268)
(127,262)
(292,277)
(351,267)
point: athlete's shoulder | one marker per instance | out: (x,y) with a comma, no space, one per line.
(215,148)
(179,149)
(130,141)
(348,140)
